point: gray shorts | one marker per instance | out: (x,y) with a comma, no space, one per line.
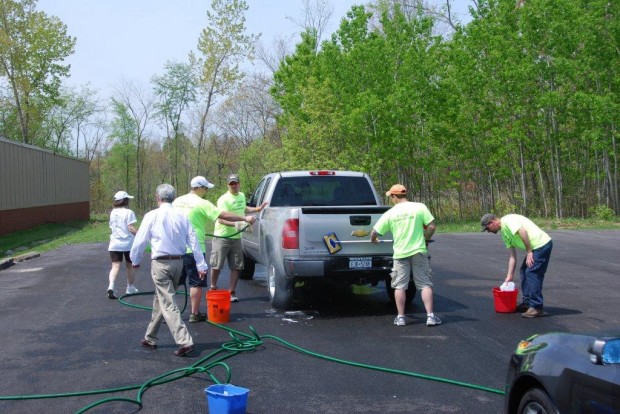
(222,249)
(422,272)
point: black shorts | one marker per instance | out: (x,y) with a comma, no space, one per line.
(190,271)
(118,257)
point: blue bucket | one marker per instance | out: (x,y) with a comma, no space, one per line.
(226,399)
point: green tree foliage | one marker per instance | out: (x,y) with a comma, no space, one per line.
(175,90)
(516,111)
(72,111)
(133,107)
(120,160)
(222,45)
(32,49)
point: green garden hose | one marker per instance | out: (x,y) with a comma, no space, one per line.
(230,236)
(241,342)
(148,308)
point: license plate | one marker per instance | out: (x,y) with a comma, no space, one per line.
(360,262)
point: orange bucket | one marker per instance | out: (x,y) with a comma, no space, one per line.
(218,306)
(505,301)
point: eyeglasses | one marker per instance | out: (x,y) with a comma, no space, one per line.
(233,183)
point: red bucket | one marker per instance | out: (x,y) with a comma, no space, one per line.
(505,301)
(218,306)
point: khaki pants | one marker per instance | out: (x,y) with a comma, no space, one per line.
(166,275)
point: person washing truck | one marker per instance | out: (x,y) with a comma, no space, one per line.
(411,225)
(227,239)
(200,212)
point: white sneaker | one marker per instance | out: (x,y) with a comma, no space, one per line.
(433,321)
(400,321)
(131,290)
(234,298)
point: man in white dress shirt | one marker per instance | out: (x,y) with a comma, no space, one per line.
(170,233)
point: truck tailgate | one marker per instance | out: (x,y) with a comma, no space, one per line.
(350,225)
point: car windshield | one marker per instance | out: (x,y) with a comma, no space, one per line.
(330,190)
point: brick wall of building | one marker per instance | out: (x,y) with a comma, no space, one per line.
(25,218)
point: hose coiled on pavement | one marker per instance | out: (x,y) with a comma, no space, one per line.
(240,342)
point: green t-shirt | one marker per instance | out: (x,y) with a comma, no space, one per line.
(234,204)
(406,221)
(511,224)
(200,213)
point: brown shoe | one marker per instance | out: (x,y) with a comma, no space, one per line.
(147,344)
(522,308)
(197,318)
(184,350)
(532,313)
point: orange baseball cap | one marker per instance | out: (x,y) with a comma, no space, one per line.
(397,189)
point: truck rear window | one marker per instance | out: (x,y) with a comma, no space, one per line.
(323,191)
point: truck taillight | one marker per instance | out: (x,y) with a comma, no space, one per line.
(290,234)
(322,172)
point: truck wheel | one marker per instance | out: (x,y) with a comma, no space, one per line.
(248,269)
(280,287)
(411,290)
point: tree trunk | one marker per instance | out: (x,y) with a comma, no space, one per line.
(543,193)
(523,185)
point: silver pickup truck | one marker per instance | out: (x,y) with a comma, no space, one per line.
(316,231)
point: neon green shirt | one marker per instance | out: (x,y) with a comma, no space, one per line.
(200,212)
(511,224)
(406,221)
(234,204)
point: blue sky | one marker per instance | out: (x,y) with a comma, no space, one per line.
(132,39)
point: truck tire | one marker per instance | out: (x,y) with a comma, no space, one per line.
(249,265)
(280,287)
(411,290)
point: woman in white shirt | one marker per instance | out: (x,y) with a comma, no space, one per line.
(121,240)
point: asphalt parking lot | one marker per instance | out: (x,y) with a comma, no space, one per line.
(61,334)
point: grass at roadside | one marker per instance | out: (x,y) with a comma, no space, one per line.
(51,236)
(544,223)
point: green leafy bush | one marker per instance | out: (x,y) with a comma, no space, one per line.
(602,212)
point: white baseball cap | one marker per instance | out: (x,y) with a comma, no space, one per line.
(120,195)
(200,181)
